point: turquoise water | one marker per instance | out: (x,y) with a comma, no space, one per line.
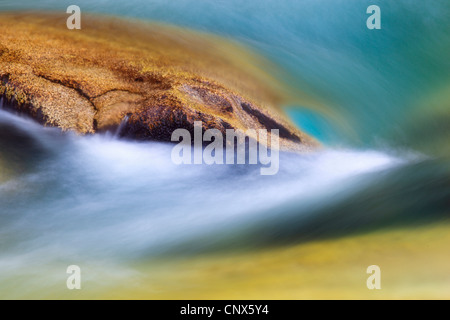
(380,105)
(370,80)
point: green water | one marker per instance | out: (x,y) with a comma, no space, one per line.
(377,99)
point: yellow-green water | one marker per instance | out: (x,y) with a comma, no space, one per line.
(414,264)
(140,227)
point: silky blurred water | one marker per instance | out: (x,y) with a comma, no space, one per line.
(373,81)
(115,197)
(382,112)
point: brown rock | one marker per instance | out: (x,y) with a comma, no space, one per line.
(161,78)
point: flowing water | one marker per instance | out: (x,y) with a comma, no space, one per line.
(122,210)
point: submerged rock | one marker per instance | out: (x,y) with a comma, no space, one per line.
(159,78)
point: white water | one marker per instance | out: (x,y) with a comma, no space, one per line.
(97,196)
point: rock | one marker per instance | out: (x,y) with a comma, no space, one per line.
(159,78)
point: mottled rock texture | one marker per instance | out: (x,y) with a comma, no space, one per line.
(158,77)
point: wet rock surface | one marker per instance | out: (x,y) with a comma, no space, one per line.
(146,78)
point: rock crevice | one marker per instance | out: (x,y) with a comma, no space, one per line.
(160,79)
